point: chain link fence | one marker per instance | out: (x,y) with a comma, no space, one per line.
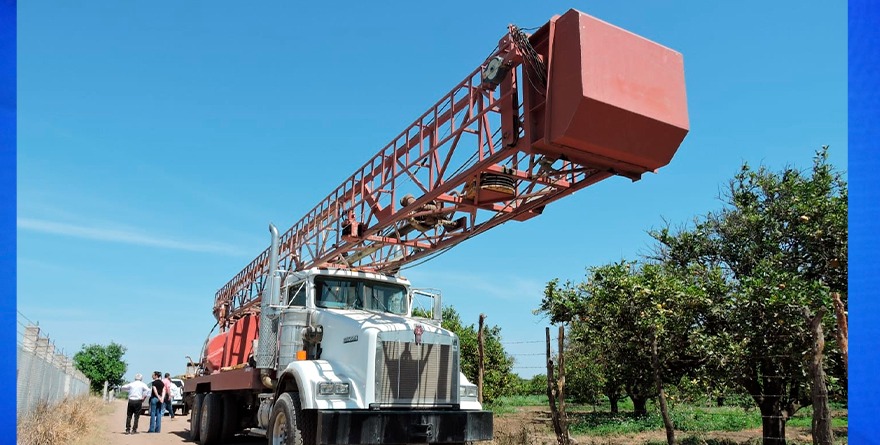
(42,375)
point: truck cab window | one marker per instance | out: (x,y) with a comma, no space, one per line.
(336,293)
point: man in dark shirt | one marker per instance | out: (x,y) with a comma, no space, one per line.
(157,395)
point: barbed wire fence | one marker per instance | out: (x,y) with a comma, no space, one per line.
(532,350)
(43,374)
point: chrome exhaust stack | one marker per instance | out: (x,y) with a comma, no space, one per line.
(265,355)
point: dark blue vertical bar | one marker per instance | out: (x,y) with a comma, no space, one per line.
(7,209)
(864,242)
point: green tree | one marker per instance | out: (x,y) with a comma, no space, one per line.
(589,367)
(617,312)
(535,386)
(781,243)
(585,381)
(498,378)
(101,364)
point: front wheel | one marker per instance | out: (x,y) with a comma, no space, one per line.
(284,422)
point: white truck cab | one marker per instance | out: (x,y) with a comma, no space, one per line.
(340,358)
(351,351)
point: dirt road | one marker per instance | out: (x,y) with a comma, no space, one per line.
(173,431)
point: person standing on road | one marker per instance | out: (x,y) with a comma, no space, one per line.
(156,398)
(169,394)
(137,391)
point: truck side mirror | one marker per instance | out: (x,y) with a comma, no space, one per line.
(436,303)
(438,308)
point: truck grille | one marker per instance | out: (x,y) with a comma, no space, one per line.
(411,374)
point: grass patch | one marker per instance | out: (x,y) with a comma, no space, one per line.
(594,423)
(685,418)
(605,424)
(508,404)
(688,418)
(64,422)
(597,420)
(705,419)
(804,417)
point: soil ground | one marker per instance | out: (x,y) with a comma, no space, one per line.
(527,425)
(173,431)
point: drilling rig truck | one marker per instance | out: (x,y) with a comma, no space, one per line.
(318,342)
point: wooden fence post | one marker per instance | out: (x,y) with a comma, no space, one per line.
(480,366)
(561,436)
(563,418)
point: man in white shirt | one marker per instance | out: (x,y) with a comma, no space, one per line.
(137,391)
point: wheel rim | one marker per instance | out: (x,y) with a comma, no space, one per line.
(279,429)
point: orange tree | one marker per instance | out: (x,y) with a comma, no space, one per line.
(616,313)
(781,242)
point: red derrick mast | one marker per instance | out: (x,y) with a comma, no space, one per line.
(545,115)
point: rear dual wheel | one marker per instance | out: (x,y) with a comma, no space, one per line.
(229,424)
(195,419)
(211,419)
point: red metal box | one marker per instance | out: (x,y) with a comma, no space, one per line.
(613,97)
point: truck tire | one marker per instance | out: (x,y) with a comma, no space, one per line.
(212,416)
(285,422)
(195,417)
(230,418)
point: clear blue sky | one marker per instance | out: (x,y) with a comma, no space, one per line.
(156,141)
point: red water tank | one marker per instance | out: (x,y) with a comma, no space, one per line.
(240,340)
(214,352)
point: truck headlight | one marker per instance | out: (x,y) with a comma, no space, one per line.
(467,392)
(341,389)
(334,389)
(325,388)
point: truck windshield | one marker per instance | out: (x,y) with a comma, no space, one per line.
(344,293)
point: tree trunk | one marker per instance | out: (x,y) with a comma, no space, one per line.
(821,425)
(612,391)
(842,328)
(664,409)
(614,408)
(773,422)
(639,405)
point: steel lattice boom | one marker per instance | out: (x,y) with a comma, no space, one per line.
(520,131)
